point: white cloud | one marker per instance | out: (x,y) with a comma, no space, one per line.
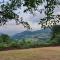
(12,28)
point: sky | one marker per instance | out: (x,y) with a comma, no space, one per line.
(11,28)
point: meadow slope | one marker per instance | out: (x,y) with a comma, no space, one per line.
(46,53)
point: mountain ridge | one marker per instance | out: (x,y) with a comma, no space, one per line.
(31,34)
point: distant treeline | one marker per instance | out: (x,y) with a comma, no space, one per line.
(7,43)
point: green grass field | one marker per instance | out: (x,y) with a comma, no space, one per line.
(46,53)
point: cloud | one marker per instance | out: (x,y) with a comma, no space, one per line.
(11,28)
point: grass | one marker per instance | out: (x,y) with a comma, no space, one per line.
(46,53)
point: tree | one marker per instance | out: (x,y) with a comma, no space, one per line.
(32,5)
(7,12)
(5,38)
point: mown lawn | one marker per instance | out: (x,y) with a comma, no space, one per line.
(46,53)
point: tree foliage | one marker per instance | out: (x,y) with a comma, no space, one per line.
(8,8)
(4,38)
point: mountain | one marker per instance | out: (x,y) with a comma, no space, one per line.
(1,33)
(40,34)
